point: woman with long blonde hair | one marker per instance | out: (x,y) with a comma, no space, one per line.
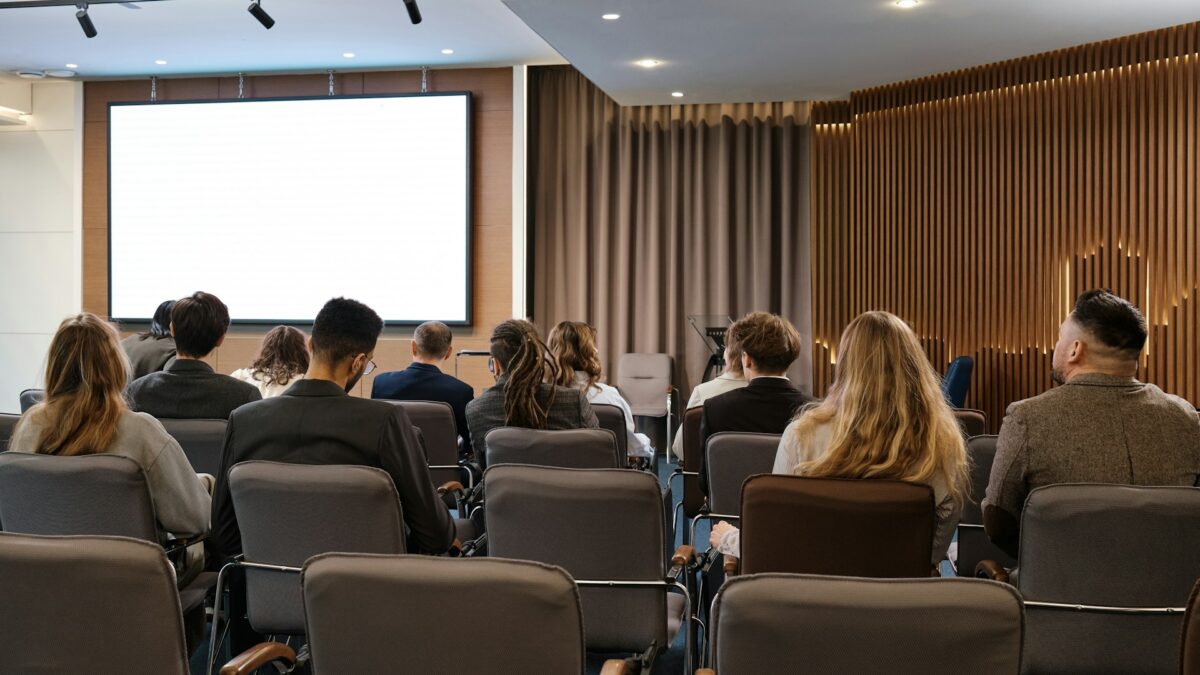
(885,417)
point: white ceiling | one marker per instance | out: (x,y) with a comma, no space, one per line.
(771,50)
(220,36)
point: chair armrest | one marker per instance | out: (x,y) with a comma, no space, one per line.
(178,544)
(990,569)
(706,671)
(451,486)
(258,656)
(731,566)
(614,667)
(684,555)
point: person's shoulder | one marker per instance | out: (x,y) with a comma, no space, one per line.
(453,383)
(147,380)
(1051,399)
(1170,402)
(142,425)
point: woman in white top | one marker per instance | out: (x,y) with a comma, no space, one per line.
(282,359)
(885,417)
(573,343)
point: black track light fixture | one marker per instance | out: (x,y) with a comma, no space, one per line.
(414,12)
(85,21)
(261,14)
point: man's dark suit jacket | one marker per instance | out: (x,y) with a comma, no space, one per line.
(423,382)
(317,422)
(766,406)
(190,390)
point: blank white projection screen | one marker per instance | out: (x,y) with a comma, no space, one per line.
(278,206)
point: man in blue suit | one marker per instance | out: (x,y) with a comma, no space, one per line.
(424,381)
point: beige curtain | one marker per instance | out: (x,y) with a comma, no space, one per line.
(642,216)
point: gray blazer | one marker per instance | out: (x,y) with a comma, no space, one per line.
(570,410)
(149,355)
(190,389)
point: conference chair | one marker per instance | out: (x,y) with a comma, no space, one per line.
(957,381)
(861,528)
(688,470)
(439,434)
(647,383)
(1189,658)
(1105,571)
(604,527)
(88,604)
(568,448)
(613,418)
(8,423)
(202,441)
(357,606)
(776,623)
(972,422)
(732,457)
(973,542)
(31,397)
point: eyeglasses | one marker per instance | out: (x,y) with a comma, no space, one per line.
(370,367)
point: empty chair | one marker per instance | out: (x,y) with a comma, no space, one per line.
(604,526)
(732,458)
(31,397)
(973,543)
(957,381)
(1189,660)
(613,418)
(646,381)
(1105,572)
(567,448)
(7,424)
(776,623)
(435,420)
(202,441)
(972,422)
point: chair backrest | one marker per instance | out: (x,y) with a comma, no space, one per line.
(435,421)
(88,605)
(763,623)
(567,448)
(1113,546)
(861,528)
(957,381)
(7,424)
(613,418)
(1189,659)
(732,458)
(972,422)
(598,524)
(357,606)
(693,460)
(202,441)
(973,543)
(291,512)
(31,397)
(643,380)
(84,494)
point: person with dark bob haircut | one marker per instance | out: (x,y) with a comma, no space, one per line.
(152,350)
(1100,426)
(189,388)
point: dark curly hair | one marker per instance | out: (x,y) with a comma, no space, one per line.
(282,356)
(345,328)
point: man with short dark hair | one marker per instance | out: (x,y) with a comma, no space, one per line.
(1100,426)
(189,388)
(422,380)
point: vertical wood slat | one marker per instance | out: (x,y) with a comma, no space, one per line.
(978,204)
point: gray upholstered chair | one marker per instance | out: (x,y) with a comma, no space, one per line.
(972,422)
(605,527)
(435,420)
(613,418)
(7,424)
(569,448)
(1105,571)
(973,543)
(688,470)
(647,383)
(31,397)
(202,441)
(776,623)
(732,457)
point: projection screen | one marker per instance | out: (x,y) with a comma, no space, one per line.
(278,205)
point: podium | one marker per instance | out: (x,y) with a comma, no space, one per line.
(712,330)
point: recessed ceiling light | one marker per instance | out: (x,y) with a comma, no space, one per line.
(72,65)
(610,17)
(907,4)
(648,63)
(447,51)
(161,62)
(677,94)
(348,55)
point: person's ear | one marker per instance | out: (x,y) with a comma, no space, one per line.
(747,362)
(171,328)
(1078,352)
(414,349)
(449,352)
(309,342)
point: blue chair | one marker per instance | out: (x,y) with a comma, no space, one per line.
(31,397)
(958,380)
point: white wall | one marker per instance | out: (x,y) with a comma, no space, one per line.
(40,232)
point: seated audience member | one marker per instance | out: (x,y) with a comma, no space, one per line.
(317,422)
(1100,426)
(573,343)
(188,388)
(282,359)
(422,380)
(885,417)
(521,397)
(153,350)
(769,344)
(85,413)
(730,378)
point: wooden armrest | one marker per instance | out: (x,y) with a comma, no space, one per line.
(706,671)
(258,656)
(450,486)
(683,555)
(614,667)
(731,566)
(990,569)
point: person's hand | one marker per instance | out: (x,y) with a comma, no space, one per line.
(718,532)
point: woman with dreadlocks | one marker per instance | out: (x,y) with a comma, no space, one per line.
(524,395)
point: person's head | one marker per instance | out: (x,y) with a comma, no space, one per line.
(519,354)
(573,343)
(343,339)
(888,414)
(86,375)
(282,355)
(769,343)
(431,342)
(198,324)
(160,325)
(733,352)
(1103,334)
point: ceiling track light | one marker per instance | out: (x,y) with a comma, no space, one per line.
(414,12)
(85,21)
(259,13)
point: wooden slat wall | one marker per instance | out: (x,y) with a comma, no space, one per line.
(977,204)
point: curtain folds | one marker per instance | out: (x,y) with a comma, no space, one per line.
(642,216)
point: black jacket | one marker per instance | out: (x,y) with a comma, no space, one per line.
(766,406)
(190,390)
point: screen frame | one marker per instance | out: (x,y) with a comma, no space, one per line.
(468,321)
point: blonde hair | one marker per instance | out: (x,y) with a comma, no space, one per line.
(86,373)
(890,419)
(573,343)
